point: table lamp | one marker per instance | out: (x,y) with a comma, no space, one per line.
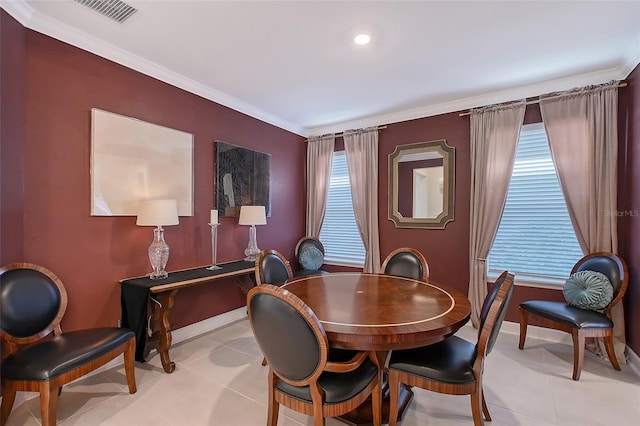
(252,215)
(158,213)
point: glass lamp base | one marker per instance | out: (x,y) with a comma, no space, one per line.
(158,276)
(252,250)
(158,255)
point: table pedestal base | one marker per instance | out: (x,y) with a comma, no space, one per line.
(362,415)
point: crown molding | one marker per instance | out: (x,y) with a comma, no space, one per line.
(39,22)
(521,92)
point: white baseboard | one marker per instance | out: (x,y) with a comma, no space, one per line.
(184,333)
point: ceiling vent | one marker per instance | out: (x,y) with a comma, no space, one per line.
(115,10)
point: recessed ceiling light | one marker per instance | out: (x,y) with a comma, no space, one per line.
(362,39)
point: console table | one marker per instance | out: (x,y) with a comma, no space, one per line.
(154,331)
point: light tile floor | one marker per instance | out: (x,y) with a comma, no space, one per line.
(219,381)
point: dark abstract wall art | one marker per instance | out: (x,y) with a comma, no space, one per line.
(242,178)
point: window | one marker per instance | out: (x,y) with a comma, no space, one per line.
(339,233)
(535,239)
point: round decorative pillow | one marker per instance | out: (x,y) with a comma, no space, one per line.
(588,290)
(311,258)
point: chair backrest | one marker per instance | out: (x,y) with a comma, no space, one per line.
(289,334)
(307,242)
(406,262)
(272,268)
(494,309)
(32,302)
(609,264)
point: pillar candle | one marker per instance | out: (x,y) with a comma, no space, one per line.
(214,217)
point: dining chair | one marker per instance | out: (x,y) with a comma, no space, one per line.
(37,356)
(301,377)
(454,366)
(272,268)
(406,262)
(309,254)
(581,323)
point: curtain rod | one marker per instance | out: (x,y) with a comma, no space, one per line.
(341,134)
(533,102)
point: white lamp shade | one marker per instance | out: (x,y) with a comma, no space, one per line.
(157,213)
(252,215)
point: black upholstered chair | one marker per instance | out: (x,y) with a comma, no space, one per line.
(581,323)
(304,244)
(406,262)
(37,356)
(300,375)
(272,268)
(454,366)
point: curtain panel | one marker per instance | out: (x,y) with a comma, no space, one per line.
(361,147)
(319,157)
(494,137)
(582,128)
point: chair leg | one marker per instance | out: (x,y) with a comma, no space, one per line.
(578,352)
(476,407)
(611,353)
(8,398)
(394,394)
(129,367)
(273,406)
(524,320)
(49,403)
(485,409)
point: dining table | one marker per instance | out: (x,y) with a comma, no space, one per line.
(381,313)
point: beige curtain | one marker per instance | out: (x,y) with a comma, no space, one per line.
(494,138)
(319,156)
(582,127)
(361,147)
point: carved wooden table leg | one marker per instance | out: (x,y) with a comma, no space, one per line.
(161,337)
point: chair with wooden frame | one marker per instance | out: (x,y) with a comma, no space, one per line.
(406,262)
(303,244)
(300,375)
(272,268)
(581,323)
(454,366)
(37,356)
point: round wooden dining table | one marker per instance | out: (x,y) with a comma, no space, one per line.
(380,313)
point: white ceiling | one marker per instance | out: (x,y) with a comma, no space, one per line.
(294,63)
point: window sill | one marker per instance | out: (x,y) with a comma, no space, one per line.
(532,281)
(343,263)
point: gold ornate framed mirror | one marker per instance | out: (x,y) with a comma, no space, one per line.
(422,185)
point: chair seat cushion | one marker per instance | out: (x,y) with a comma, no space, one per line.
(52,357)
(588,290)
(311,258)
(448,361)
(337,387)
(567,314)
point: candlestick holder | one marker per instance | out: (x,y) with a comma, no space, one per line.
(214,246)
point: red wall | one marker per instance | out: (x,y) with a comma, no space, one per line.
(12,118)
(630,200)
(91,254)
(446,250)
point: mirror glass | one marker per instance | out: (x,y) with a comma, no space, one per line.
(421,185)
